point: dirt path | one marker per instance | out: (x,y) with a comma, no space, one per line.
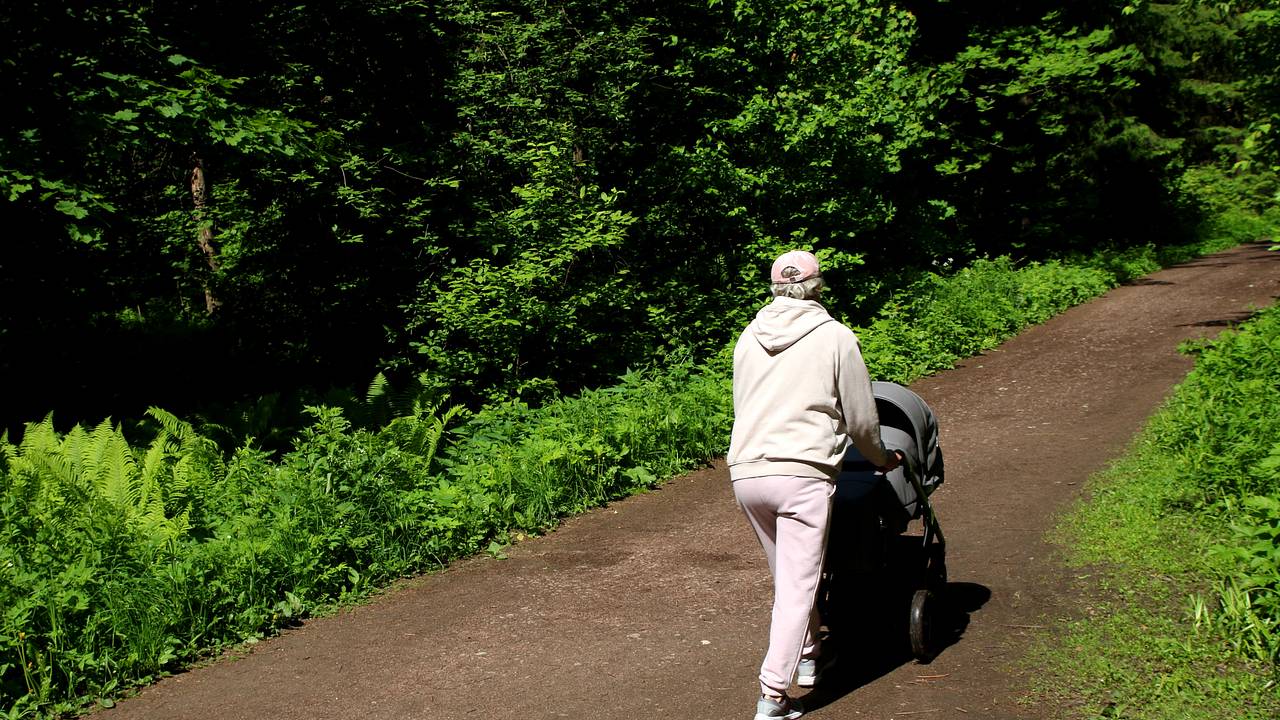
(658,606)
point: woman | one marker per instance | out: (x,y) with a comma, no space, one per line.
(801,395)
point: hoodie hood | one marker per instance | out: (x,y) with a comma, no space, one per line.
(781,323)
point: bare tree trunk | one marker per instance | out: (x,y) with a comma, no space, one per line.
(204,229)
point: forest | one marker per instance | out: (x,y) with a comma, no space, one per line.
(214,203)
(316,296)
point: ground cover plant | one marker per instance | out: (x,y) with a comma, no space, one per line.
(1177,549)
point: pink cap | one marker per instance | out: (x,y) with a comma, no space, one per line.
(797,260)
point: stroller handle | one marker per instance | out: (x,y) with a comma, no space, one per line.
(908,464)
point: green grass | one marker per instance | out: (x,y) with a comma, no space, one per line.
(1138,648)
(1157,548)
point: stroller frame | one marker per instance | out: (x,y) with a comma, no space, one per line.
(890,502)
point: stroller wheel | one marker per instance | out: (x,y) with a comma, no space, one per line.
(921,627)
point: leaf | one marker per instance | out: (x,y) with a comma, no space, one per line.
(640,476)
(83,235)
(180,60)
(125,115)
(171,110)
(70,207)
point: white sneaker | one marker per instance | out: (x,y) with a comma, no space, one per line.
(785,709)
(810,671)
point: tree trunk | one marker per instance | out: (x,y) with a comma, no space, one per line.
(204,230)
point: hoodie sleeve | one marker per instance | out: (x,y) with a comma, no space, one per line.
(857,402)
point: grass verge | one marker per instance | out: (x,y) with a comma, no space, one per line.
(1155,550)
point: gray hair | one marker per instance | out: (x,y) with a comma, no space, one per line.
(807,290)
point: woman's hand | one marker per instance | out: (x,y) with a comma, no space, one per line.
(895,459)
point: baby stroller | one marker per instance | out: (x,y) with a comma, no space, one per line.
(869,558)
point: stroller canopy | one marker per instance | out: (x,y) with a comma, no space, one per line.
(906,412)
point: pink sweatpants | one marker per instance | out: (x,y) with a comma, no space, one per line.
(790,515)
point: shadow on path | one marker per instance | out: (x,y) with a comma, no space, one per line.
(1230,321)
(871,635)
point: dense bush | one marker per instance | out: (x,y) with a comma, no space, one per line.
(937,320)
(118,562)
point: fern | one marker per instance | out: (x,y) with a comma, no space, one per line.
(155,464)
(41,461)
(377,390)
(173,443)
(149,490)
(116,473)
(384,403)
(421,431)
(171,426)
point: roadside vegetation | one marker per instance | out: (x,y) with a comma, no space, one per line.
(538,227)
(1178,552)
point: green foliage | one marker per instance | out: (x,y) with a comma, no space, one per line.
(523,199)
(1077,126)
(1238,206)
(936,321)
(495,322)
(1178,544)
(1221,419)
(83,513)
(1220,427)
(120,563)
(1250,594)
(603,444)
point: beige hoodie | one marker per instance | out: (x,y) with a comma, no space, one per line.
(800,395)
